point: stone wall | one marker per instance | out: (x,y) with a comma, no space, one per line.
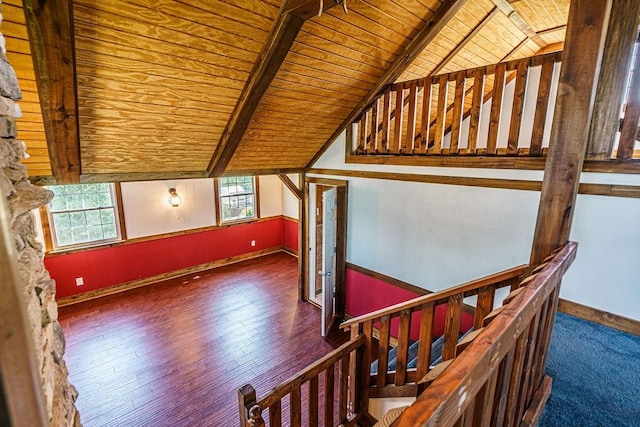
(38,287)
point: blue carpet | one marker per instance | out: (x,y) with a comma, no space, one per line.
(596,376)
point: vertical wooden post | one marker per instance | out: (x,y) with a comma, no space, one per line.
(250,412)
(586,30)
(616,59)
(18,367)
(303,238)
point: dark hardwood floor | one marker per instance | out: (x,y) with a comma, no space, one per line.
(175,353)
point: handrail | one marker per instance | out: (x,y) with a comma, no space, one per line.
(349,409)
(469,383)
(310,371)
(440,296)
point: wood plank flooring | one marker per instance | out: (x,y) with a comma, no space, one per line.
(175,353)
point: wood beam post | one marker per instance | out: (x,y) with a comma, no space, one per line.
(618,49)
(51,37)
(285,29)
(586,31)
(303,239)
(291,186)
(440,19)
(18,369)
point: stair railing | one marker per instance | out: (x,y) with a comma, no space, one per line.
(320,379)
(499,378)
(413,117)
(396,321)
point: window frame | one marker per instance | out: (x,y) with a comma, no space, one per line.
(49,232)
(256,198)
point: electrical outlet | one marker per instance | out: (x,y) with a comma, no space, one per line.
(253,243)
(79,281)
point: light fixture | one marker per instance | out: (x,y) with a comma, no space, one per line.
(175,200)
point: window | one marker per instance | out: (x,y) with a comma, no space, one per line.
(83,214)
(237,198)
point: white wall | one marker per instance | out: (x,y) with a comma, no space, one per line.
(270,196)
(147,211)
(289,201)
(436,236)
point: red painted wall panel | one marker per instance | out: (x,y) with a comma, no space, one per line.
(366,294)
(109,266)
(290,234)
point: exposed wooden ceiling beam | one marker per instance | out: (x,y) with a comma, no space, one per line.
(291,185)
(466,40)
(50,27)
(437,22)
(286,27)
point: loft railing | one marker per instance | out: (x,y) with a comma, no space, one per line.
(399,322)
(499,378)
(443,114)
(493,376)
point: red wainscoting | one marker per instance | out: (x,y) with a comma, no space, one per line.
(290,234)
(114,265)
(366,294)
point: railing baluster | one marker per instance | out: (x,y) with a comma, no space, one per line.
(516,378)
(484,306)
(372,146)
(458,105)
(496,108)
(502,388)
(328,396)
(441,114)
(452,327)
(362,135)
(523,392)
(312,401)
(275,414)
(522,73)
(426,117)
(484,402)
(426,338)
(397,127)
(344,376)
(410,136)
(542,104)
(386,118)
(476,109)
(295,408)
(383,351)
(533,381)
(403,346)
(629,132)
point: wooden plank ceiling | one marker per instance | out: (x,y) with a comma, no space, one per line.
(158,80)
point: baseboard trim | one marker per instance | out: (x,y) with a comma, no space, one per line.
(98,293)
(290,252)
(605,318)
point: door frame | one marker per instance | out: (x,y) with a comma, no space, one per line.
(341,241)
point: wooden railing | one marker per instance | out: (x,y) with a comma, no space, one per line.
(413,117)
(499,378)
(494,376)
(320,379)
(396,322)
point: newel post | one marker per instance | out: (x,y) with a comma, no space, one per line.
(250,411)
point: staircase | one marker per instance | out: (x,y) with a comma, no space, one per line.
(492,373)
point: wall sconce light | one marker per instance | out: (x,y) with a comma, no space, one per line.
(175,200)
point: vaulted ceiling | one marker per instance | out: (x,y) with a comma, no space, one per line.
(170,89)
